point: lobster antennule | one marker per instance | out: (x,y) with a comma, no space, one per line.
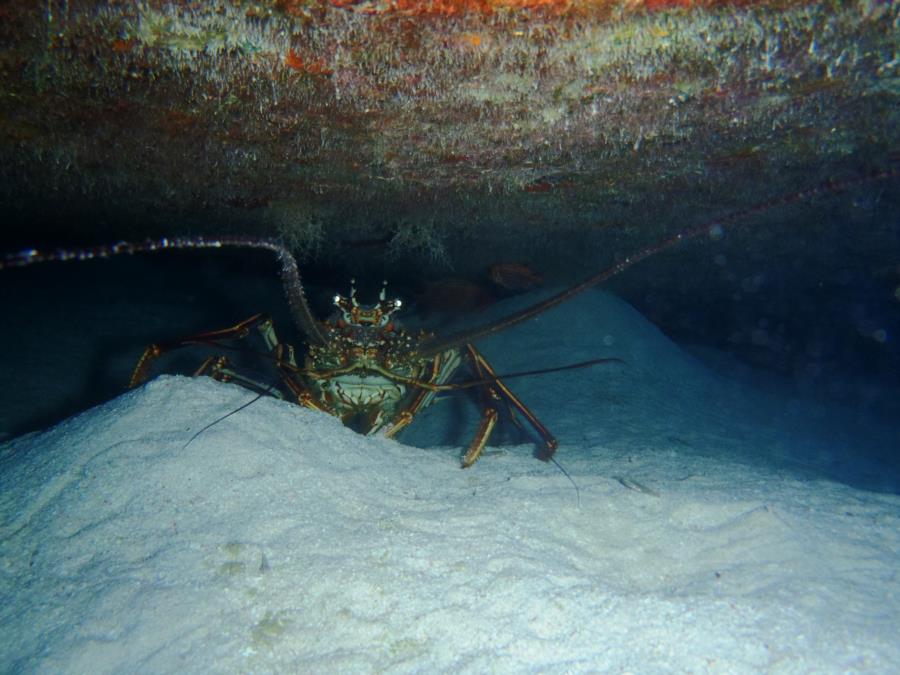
(288,269)
(436,346)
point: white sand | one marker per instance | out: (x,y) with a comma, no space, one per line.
(717,529)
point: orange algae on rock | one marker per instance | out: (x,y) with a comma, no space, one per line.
(121,46)
(295,61)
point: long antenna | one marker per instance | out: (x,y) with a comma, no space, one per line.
(290,273)
(437,346)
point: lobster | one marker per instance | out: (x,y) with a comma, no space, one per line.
(361,364)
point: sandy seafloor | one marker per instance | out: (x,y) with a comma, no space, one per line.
(720,525)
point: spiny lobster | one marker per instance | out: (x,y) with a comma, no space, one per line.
(361,365)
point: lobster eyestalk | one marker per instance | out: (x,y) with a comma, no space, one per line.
(288,269)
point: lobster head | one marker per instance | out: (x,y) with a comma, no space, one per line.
(363,338)
(352,313)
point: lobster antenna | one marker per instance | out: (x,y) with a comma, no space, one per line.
(574,484)
(290,273)
(436,346)
(225,416)
(268,390)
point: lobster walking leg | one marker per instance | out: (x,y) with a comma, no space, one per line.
(218,368)
(488,421)
(151,353)
(497,391)
(442,367)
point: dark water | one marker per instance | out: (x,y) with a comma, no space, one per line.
(74,331)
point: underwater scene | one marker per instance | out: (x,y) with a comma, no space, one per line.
(528,336)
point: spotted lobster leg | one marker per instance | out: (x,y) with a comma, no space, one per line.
(493,394)
(443,366)
(217,366)
(239,331)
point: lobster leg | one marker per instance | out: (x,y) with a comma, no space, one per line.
(303,395)
(497,391)
(488,421)
(238,331)
(217,366)
(443,366)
